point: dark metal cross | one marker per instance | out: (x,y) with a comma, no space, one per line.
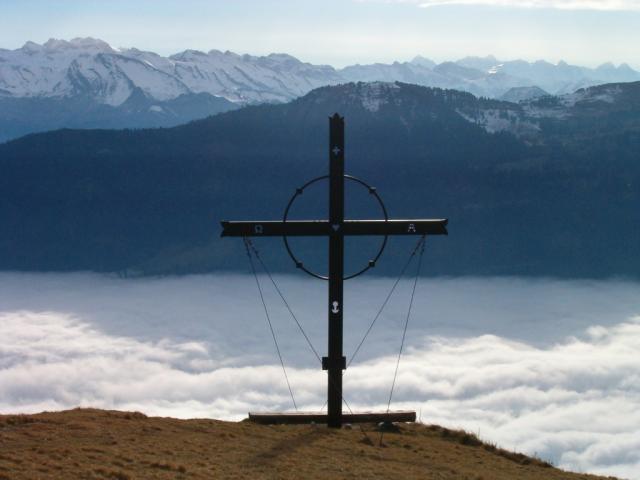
(336,228)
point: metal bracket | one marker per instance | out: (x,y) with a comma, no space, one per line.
(341,363)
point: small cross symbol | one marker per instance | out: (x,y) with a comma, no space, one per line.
(336,150)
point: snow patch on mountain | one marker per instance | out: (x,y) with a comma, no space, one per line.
(494,120)
(373,95)
(526,118)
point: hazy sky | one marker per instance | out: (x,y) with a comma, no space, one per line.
(341,32)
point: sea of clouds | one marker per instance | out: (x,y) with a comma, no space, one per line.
(545,367)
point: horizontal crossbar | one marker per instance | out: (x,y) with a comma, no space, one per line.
(312,228)
(396,227)
(274,418)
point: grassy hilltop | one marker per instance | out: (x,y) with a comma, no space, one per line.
(97,444)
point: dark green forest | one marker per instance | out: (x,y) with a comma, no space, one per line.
(564,201)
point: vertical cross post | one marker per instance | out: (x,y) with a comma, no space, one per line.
(335,363)
(336,227)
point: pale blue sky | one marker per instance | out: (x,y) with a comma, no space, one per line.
(340,32)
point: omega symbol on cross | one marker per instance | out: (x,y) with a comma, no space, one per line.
(258,229)
(335,307)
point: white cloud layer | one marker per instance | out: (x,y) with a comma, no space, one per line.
(545,367)
(611,5)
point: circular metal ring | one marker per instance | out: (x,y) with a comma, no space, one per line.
(299,192)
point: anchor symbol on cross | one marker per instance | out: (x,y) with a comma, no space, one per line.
(335,307)
(336,150)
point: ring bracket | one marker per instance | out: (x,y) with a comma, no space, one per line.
(299,191)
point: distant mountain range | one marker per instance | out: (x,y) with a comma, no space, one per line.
(85,83)
(549,186)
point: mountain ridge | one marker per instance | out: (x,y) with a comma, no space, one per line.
(282,63)
(91,70)
(498,170)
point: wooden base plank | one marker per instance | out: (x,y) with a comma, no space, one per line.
(275,418)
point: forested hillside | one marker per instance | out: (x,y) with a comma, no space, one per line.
(543,187)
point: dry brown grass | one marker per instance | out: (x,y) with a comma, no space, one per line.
(98,444)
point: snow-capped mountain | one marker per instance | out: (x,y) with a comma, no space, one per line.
(490,77)
(86,66)
(85,82)
(81,67)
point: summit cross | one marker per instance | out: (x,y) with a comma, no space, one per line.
(336,227)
